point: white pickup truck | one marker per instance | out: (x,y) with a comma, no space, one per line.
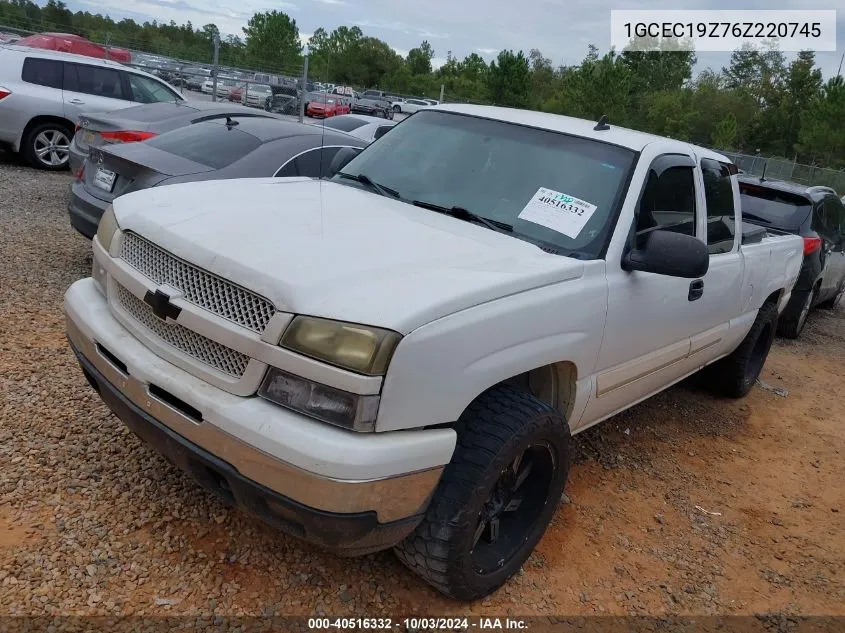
(398,357)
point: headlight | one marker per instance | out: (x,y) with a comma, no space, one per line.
(107,228)
(322,402)
(366,350)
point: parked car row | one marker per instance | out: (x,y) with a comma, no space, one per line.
(817,215)
(397,355)
(43,93)
(130,149)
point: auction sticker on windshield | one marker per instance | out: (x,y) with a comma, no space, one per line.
(558,211)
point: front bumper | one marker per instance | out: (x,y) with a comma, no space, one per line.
(85,210)
(197,425)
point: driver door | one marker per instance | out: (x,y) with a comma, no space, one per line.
(651,318)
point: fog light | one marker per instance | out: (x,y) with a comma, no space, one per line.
(341,408)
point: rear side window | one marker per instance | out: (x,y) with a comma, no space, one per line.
(719,195)
(210,143)
(835,213)
(44,72)
(344,125)
(314,163)
(146,90)
(384,129)
(94,80)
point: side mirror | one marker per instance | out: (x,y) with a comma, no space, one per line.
(342,158)
(668,253)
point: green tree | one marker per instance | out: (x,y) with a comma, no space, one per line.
(272,41)
(56,16)
(821,139)
(802,86)
(509,79)
(724,134)
(419,59)
(600,85)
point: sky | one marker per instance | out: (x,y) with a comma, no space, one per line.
(562,30)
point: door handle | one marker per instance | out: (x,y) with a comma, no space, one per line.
(77,101)
(696,289)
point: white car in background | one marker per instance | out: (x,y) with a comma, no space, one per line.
(256,95)
(409,106)
(223,85)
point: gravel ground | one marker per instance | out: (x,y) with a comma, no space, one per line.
(687,504)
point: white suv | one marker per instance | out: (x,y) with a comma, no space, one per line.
(43,92)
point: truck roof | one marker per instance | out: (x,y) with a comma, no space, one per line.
(624,137)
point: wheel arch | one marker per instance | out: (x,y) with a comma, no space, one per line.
(44,118)
(553,383)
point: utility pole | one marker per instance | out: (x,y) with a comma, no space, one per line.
(442,88)
(304,84)
(108,41)
(216,41)
(839,72)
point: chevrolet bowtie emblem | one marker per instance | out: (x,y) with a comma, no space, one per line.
(160,303)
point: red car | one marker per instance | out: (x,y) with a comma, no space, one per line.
(322,105)
(70,43)
(236,93)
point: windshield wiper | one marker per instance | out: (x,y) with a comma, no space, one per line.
(373,186)
(465,214)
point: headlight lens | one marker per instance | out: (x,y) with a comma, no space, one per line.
(359,348)
(107,228)
(322,402)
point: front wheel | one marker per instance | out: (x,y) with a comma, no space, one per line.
(496,497)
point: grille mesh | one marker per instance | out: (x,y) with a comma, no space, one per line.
(203,349)
(199,287)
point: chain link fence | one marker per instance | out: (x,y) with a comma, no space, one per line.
(784,169)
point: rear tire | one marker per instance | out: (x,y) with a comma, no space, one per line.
(831,303)
(396,108)
(737,373)
(47,146)
(792,322)
(496,497)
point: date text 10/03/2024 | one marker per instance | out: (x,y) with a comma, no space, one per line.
(418,623)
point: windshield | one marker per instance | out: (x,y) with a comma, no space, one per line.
(259,88)
(550,187)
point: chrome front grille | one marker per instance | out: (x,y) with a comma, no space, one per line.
(222,358)
(203,289)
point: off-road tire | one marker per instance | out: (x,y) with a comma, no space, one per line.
(495,428)
(792,322)
(735,374)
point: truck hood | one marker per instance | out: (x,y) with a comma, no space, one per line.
(335,251)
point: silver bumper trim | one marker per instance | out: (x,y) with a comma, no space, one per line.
(391,498)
